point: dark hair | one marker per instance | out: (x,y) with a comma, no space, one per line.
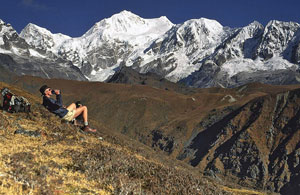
(43,88)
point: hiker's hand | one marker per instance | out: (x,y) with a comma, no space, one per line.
(57,92)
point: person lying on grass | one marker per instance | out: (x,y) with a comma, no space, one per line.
(66,113)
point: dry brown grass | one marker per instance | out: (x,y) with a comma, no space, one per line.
(242,191)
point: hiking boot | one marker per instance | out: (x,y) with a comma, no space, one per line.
(88,129)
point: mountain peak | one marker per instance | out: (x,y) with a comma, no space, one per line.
(281,23)
(35,28)
(42,38)
(129,15)
(30,27)
(6,29)
(127,24)
(125,13)
(204,23)
(255,23)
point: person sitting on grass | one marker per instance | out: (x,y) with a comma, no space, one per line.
(66,113)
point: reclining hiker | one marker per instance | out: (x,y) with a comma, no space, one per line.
(66,113)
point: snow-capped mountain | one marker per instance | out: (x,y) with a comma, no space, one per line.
(277,38)
(10,42)
(23,58)
(103,47)
(199,52)
(265,54)
(42,39)
(176,54)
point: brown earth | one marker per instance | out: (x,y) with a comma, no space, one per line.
(225,133)
(42,155)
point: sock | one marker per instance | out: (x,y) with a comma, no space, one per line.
(86,123)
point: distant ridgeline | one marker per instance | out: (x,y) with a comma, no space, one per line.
(199,52)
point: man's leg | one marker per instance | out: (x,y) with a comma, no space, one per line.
(84,111)
(72,107)
(81,110)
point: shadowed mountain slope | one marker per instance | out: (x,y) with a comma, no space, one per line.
(129,76)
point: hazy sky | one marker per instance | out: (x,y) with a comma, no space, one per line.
(75,17)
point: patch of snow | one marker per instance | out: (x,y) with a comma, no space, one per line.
(230,99)
(1,41)
(16,51)
(4,51)
(183,68)
(36,54)
(242,89)
(235,66)
(102,75)
(45,72)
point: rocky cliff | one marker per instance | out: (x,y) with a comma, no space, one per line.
(258,143)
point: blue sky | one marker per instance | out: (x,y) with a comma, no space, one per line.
(75,17)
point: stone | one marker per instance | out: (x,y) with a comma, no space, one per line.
(28,133)
(253,171)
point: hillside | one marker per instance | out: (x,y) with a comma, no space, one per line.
(129,76)
(196,127)
(42,155)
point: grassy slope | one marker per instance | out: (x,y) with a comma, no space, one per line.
(64,161)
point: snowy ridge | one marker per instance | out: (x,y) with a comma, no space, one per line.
(276,37)
(238,65)
(6,31)
(42,38)
(10,42)
(180,48)
(26,59)
(200,38)
(200,52)
(127,26)
(124,32)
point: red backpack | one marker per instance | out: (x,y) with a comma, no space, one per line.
(13,103)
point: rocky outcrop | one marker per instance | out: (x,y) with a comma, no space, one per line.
(296,54)
(276,38)
(162,142)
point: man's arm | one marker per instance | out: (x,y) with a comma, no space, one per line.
(50,104)
(59,100)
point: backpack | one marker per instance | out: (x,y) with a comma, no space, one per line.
(13,103)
